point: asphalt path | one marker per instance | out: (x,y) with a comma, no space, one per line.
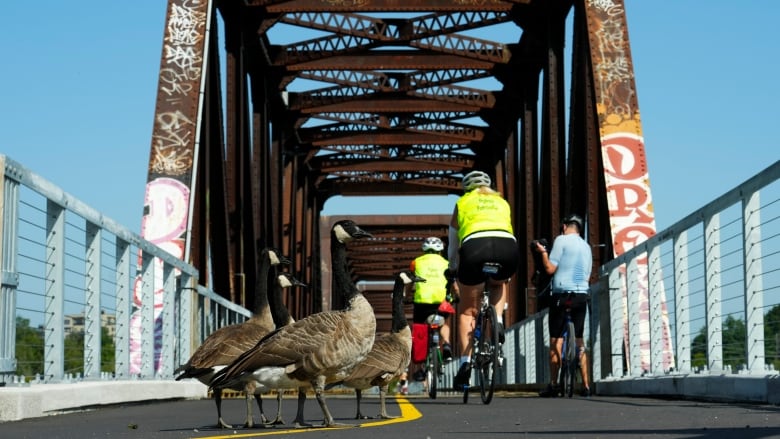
(509,415)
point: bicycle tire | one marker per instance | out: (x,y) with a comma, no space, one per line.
(487,364)
(569,362)
(433,372)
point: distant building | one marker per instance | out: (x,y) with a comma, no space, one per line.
(74,323)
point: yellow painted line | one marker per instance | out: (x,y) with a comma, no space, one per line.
(408,413)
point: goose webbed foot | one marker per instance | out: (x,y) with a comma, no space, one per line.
(277,421)
(300,423)
(223,424)
(361,416)
(251,424)
(386,416)
(334,424)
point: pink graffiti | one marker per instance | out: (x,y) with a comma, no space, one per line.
(628,189)
(167,201)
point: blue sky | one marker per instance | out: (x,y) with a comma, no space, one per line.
(79,82)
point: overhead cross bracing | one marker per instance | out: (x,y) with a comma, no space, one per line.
(267,109)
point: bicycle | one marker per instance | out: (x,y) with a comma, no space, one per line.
(570,359)
(434,360)
(486,355)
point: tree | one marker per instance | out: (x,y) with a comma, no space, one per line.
(772,336)
(74,352)
(29,348)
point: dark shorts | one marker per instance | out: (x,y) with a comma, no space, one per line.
(421,311)
(475,252)
(579,307)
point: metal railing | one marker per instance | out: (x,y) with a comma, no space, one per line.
(707,303)
(700,299)
(75,283)
(711,303)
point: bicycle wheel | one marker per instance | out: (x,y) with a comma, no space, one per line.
(432,374)
(570,360)
(487,363)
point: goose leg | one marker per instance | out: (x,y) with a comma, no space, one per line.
(382,406)
(359,398)
(278,420)
(319,392)
(250,389)
(263,419)
(218,401)
(299,421)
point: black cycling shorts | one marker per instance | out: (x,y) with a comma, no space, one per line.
(475,252)
(557,316)
(421,311)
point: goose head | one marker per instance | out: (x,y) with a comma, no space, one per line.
(275,257)
(346,230)
(402,279)
(287,280)
(408,277)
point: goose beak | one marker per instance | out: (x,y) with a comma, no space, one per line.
(360,233)
(298,283)
(284,260)
(418,279)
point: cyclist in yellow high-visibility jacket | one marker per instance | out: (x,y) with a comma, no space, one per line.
(431,296)
(480,231)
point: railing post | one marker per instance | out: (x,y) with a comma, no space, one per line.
(123,310)
(168,324)
(597,293)
(617,321)
(147,367)
(54,300)
(186,319)
(92,316)
(754,286)
(9,232)
(713,293)
(635,321)
(657,311)
(682,303)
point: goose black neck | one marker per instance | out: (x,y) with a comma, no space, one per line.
(279,312)
(342,283)
(261,284)
(399,317)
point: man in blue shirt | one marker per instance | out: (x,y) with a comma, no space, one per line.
(570,263)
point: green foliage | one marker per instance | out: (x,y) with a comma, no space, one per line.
(734,342)
(772,336)
(74,352)
(29,349)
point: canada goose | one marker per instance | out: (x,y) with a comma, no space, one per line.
(390,354)
(281,317)
(227,343)
(318,349)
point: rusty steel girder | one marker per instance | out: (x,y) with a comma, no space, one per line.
(289,103)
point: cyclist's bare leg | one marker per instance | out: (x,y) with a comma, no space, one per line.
(467,312)
(583,363)
(498,293)
(445,332)
(556,344)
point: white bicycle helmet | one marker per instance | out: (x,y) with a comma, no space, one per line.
(432,243)
(475,179)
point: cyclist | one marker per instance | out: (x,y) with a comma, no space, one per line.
(569,262)
(431,296)
(480,231)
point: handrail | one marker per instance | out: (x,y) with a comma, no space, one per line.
(73,272)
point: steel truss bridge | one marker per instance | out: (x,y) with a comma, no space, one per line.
(265,109)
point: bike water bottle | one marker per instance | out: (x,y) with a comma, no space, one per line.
(436,339)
